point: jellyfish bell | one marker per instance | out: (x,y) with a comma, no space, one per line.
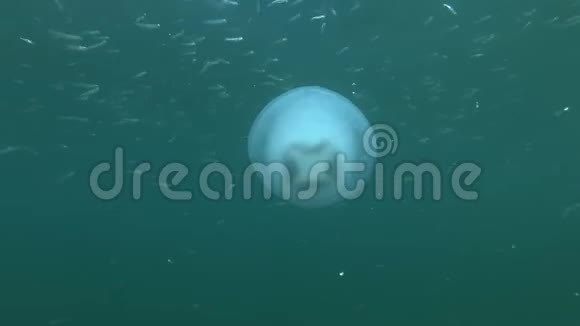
(301,141)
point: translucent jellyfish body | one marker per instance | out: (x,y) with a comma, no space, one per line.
(303,142)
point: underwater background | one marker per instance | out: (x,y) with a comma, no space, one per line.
(490,82)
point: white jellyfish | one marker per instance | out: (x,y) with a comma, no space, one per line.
(307,132)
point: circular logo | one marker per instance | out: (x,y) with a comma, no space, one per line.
(380,140)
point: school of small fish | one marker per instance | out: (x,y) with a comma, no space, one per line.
(220,60)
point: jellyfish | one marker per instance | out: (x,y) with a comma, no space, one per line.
(299,140)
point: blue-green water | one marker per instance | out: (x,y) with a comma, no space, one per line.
(493,83)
